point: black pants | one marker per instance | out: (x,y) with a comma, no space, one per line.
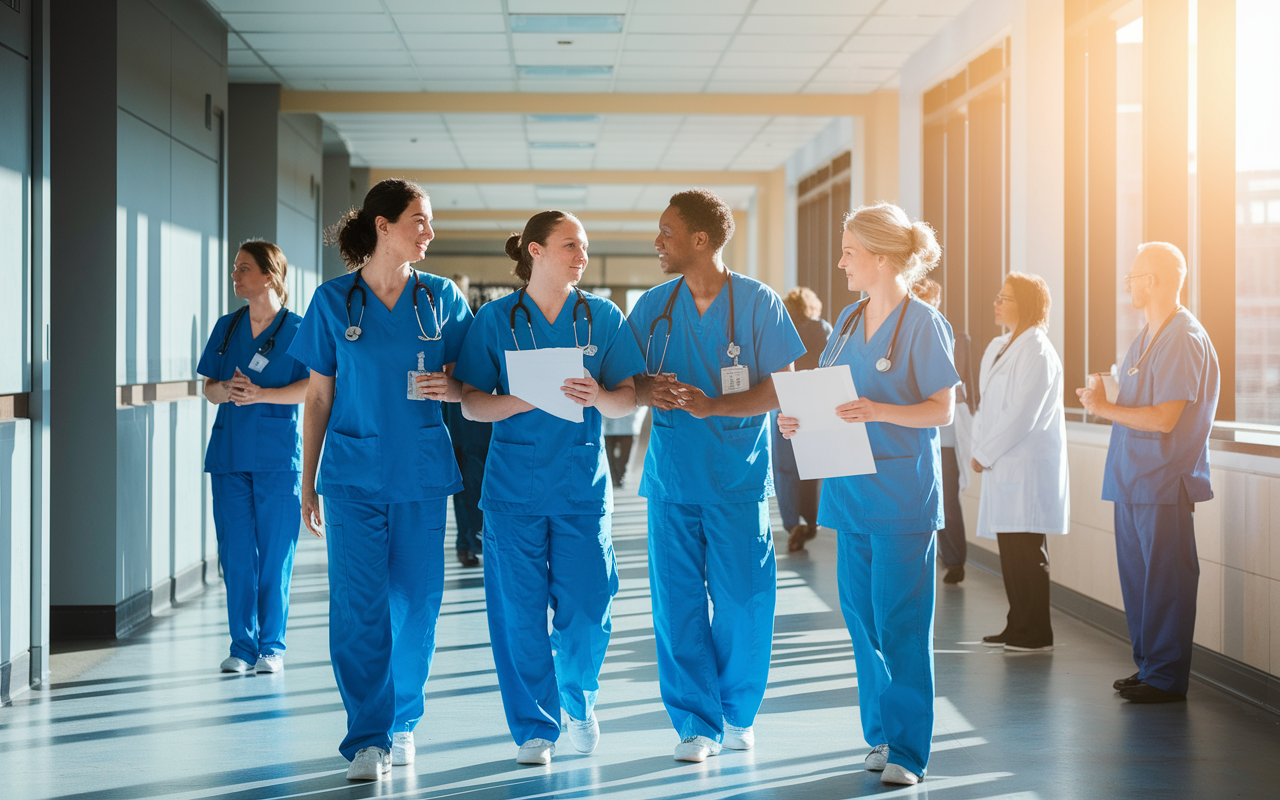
(951,545)
(1024,560)
(618,448)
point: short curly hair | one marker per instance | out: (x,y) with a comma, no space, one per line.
(703,210)
(1032,296)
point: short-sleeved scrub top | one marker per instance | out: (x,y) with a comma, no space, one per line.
(904,496)
(540,464)
(381,446)
(262,437)
(1149,467)
(717,459)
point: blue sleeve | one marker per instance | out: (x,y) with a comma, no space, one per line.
(478,360)
(931,354)
(777,343)
(299,369)
(1178,369)
(622,357)
(456,319)
(315,344)
(209,359)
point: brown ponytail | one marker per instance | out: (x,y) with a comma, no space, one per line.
(271,261)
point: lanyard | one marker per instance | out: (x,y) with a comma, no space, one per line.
(1134,369)
(851,324)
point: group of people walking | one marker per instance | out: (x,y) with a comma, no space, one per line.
(382,348)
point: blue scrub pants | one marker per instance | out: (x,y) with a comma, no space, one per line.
(712,670)
(386,579)
(887,596)
(256,516)
(565,562)
(1159,577)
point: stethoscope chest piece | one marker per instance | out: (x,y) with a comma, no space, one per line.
(1133,371)
(733,351)
(589,350)
(884,365)
(353,333)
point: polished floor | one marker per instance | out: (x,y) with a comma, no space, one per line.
(151,717)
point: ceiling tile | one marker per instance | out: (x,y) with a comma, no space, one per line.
(373,86)
(904,26)
(754,87)
(310,58)
(243,58)
(565,57)
(892,60)
(681,73)
(682,23)
(943,8)
(804,58)
(839,87)
(442,6)
(323,41)
(297,6)
(454,195)
(440,72)
(659,58)
(323,73)
(791,24)
(471,86)
(885,44)
(678,42)
(563,85)
(567,6)
(763,74)
(828,7)
(251,75)
(855,74)
(459,58)
(658,87)
(309,23)
(456,41)
(451,23)
(792,42)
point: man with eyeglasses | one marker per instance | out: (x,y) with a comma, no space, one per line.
(1157,470)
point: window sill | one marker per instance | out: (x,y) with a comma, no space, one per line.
(1253,439)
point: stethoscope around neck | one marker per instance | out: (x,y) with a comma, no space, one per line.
(267,346)
(354,330)
(587,349)
(733,350)
(851,324)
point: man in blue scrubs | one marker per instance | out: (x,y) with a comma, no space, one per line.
(711,340)
(1157,470)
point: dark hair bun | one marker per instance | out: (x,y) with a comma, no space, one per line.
(513,247)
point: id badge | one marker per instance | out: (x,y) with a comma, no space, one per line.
(414,374)
(259,362)
(734,379)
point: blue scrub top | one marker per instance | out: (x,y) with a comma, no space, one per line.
(1149,467)
(380,446)
(905,493)
(717,459)
(538,463)
(262,437)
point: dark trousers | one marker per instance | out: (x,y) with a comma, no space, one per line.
(1024,560)
(796,498)
(618,449)
(466,503)
(951,545)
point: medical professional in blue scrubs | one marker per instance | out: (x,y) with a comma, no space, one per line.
(1157,470)
(899,350)
(255,455)
(547,497)
(712,341)
(380,343)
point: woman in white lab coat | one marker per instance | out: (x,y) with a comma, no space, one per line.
(1019,445)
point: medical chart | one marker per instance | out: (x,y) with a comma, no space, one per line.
(535,376)
(825,446)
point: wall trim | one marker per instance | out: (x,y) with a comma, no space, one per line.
(19,665)
(1221,672)
(126,617)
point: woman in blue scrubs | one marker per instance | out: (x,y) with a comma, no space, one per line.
(899,350)
(380,343)
(255,455)
(547,495)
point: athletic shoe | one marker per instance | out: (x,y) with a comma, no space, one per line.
(537,752)
(237,665)
(1146,693)
(370,764)
(997,640)
(877,758)
(736,738)
(584,736)
(696,749)
(954,575)
(1126,683)
(901,776)
(269,664)
(402,749)
(1023,648)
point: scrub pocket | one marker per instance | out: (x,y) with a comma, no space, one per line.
(509,472)
(901,489)
(277,445)
(437,465)
(351,462)
(745,464)
(585,467)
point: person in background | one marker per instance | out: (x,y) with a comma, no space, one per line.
(255,455)
(797,498)
(1020,449)
(471,449)
(1157,469)
(619,437)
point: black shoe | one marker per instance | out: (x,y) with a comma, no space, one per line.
(799,535)
(997,640)
(954,574)
(1126,683)
(468,559)
(1146,693)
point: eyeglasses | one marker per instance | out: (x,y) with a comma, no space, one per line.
(1128,279)
(1001,300)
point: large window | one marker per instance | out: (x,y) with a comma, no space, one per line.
(1129,158)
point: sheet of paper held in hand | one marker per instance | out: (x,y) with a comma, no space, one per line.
(825,446)
(535,376)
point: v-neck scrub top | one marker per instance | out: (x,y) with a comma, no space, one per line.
(717,459)
(262,437)
(539,464)
(380,446)
(904,496)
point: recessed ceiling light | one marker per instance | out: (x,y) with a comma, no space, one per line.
(567,71)
(566,23)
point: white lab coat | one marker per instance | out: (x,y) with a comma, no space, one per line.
(1020,435)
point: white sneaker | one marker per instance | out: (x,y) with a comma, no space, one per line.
(877,758)
(695,749)
(898,775)
(370,764)
(584,736)
(537,752)
(269,664)
(736,738)
(237,665)
(403,750)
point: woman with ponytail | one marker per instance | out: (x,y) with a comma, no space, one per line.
(255,455)
(381,342)
(899,351)
(547,496)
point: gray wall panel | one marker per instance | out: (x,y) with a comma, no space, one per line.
(15,222)
(142,69)
(196,251)
(15,28)
(15,538)
(132,571)
(195,75)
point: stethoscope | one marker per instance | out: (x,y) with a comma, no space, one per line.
(732,351)
(587,349)
(267,346)
(851,324)
(1143,355)
(354,331)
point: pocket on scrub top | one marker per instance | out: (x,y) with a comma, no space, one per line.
(585,465)
(352,462)
(437,465)
(746,461)
(509,472)
(277,444)
(900,493)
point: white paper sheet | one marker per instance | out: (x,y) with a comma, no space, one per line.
(825,446)
(535,376)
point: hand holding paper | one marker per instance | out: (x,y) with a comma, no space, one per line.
(536,376)
(825,445)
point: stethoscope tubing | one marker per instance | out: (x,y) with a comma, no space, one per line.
(581,300)
(267,346)
(354,331)
(732,349)
(851,325)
